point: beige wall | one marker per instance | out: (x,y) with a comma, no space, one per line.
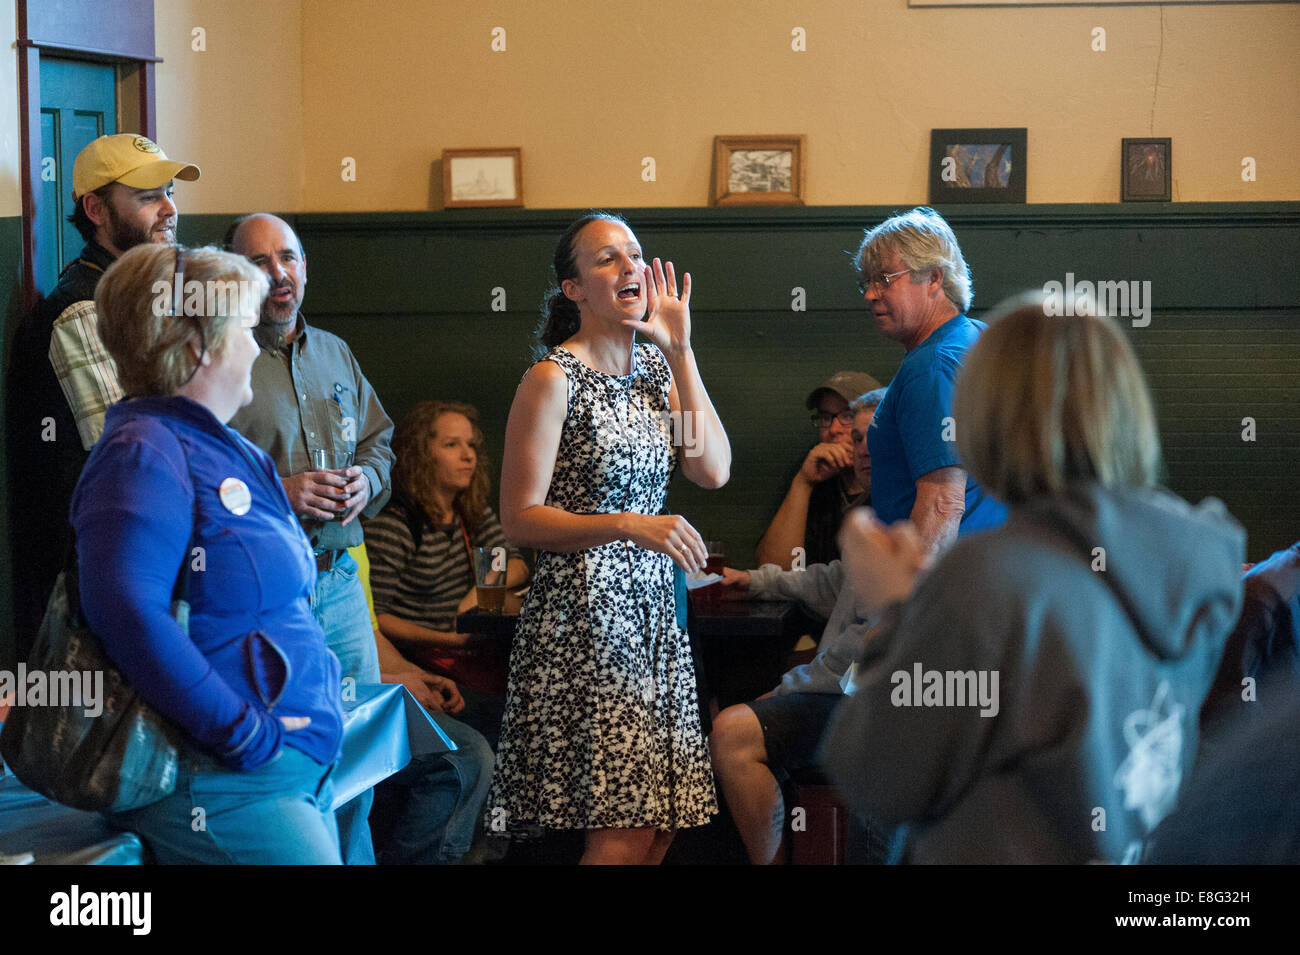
(288,88)
(589,87)
(11,200)
(235,108)
(251,157)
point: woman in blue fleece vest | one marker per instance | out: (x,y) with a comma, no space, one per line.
(252,686)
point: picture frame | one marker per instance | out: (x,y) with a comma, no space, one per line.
(1146,169)
(978,165)
(758,170)
(482,178)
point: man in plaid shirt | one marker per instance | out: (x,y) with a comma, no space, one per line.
(62,379)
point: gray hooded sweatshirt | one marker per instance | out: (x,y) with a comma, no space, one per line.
(1036,699)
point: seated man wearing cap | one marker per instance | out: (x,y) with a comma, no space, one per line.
(758,748)
(62,380)
(825,486)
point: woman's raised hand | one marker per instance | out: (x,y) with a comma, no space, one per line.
(668,318)
(673,535)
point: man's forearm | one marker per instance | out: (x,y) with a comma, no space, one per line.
(938,530)
(391,660)
(817,586)
(409,632)
(786,532)
(940,504)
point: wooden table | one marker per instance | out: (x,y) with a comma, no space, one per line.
(741,645)
(497,625)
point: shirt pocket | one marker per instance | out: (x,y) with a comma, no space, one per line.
(337,418)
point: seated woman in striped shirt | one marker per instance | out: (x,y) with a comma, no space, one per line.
(421,571)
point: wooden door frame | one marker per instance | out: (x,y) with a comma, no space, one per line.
(66,35)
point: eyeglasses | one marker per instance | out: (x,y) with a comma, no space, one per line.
(823,419)
(884,281)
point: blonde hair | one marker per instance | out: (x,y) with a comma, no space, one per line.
(1042,401)
(145,332)
(922,240)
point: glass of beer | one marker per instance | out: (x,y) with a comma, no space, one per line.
(711,595)
(327,459)
(490,577)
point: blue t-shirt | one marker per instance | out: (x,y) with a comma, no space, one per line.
(913,432)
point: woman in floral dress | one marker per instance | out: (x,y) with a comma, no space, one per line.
(602,726)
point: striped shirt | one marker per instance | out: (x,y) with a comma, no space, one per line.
(427,587)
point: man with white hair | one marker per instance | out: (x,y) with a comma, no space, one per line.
(918,288)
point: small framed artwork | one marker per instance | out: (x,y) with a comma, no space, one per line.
(978,165)
(482,177)
(758,170)
(1146,170)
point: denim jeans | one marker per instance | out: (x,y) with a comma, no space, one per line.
(339,605)
(277,814)
(445,800)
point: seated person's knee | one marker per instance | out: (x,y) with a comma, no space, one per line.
(736,735)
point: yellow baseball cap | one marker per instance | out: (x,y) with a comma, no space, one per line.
(127,158)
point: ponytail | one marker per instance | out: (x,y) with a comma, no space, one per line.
(561,317)
(560,321)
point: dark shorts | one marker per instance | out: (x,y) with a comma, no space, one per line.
(793,725)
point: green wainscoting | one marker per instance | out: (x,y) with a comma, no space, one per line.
(413,293)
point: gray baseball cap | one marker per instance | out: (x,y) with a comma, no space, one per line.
(847,384)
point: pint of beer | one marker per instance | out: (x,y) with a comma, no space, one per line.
(490,577)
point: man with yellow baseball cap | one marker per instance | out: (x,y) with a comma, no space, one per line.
(129,159)
(122,189)
(62,380)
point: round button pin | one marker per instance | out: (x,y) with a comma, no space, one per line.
(234,496)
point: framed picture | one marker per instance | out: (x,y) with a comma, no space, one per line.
(1146,170)
(758,170)
(482,177)
(978,165)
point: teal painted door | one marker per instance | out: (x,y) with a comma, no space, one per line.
(78,104)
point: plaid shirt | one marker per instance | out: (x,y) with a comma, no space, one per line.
(86,372)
